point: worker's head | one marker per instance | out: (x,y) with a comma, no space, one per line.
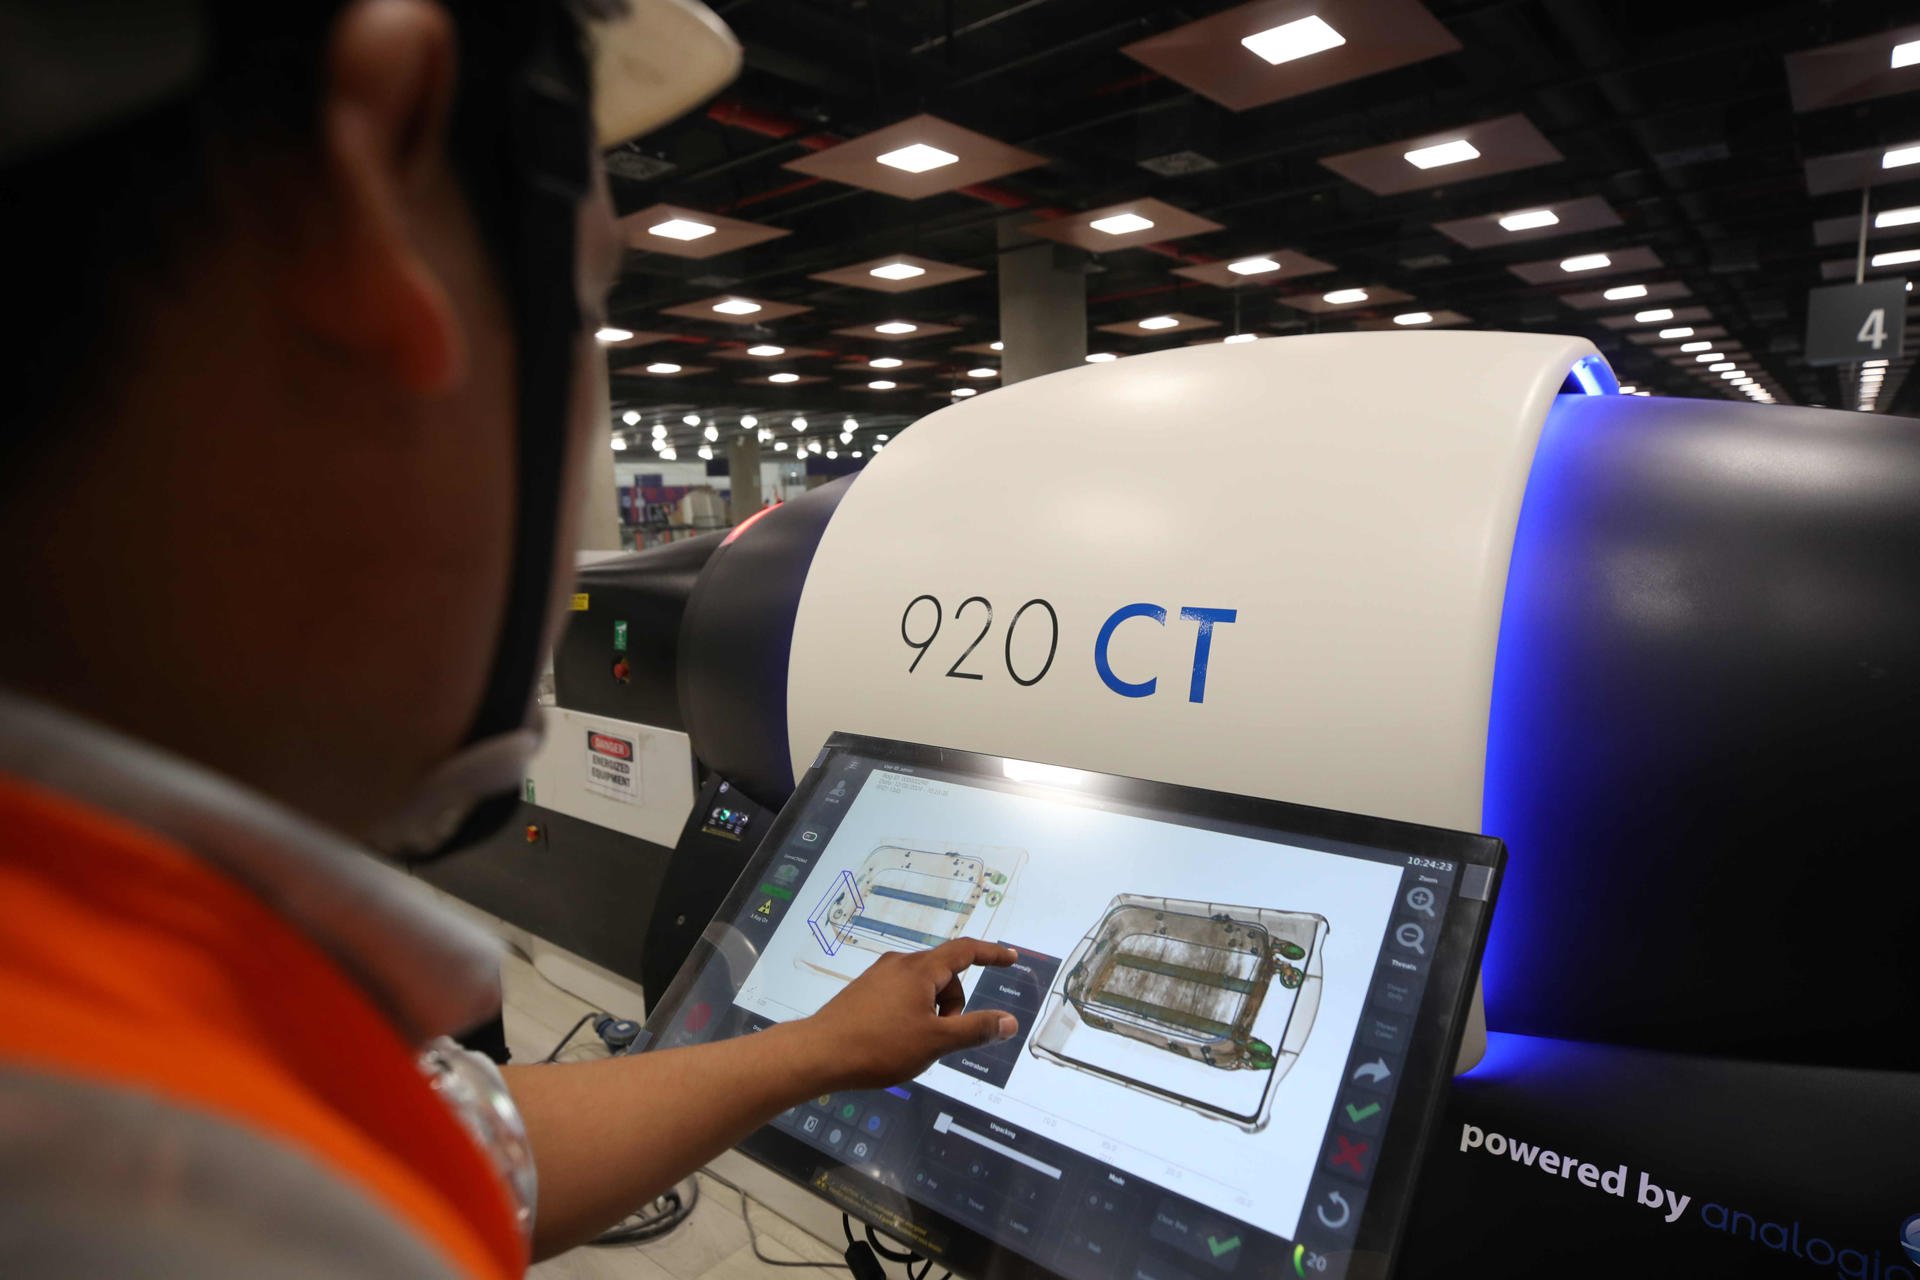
(303,374)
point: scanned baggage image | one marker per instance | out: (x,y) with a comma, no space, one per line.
(909,895)
(1199,1004)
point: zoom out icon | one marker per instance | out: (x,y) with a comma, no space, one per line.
(1412,937)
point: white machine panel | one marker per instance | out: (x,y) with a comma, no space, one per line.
(633,778)
(1276,567)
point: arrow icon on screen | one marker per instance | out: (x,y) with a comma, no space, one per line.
(1375,1071)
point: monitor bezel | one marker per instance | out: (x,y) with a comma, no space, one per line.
(1432,1048)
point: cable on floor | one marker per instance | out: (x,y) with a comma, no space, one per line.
(665,1214)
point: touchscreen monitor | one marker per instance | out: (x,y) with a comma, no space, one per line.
(1236,1015)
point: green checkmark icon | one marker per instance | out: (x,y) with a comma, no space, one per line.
(1357,1114)
(1223,1246)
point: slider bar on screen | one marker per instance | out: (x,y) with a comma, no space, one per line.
(945,1124)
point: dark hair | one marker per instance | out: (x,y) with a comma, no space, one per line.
(86,224)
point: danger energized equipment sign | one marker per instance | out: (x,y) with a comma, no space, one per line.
(611,768)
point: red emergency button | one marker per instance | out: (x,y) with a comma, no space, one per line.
(533,834)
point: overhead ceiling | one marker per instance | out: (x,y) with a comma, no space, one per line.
(1667,133)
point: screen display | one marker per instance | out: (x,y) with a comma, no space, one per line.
(1215,1017)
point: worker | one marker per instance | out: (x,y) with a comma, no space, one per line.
(301,297)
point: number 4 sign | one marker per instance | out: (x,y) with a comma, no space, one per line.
(1848,323)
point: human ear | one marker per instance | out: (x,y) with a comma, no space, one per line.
(360,280)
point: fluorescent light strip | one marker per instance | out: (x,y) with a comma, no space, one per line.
(1898,257)
(1586,262)
(736,307)
(1695,346)
(1653,317)
(898,271)
(895,326)
(1253,266)
(663,367)
(1901,157)
(1159,322)
(1898,217)
(1622,292)
(1414,317)
(611,334)
(1683,331)
(1906,55)
(1340,297)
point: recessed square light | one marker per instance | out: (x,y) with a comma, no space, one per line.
(881,384)
(1299,38)
(1696,346)
(884,362)
(1906,55)
(1440,153)
(1121,224)
(1896,258)
(898,271)
(766,349)
(1414,317)
(895,326)
(1341,296)
(1101,357)
(736,307)
(1159,322)
(1682,331)
(917,158)
(783,377)
(680,229)
(1530,220)
(1898,217)
(1654,316)
(1621,292)
(663,367)
(1586,262)
(1900,157)
(610,334)
(1253,266)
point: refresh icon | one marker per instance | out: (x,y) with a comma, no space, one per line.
(1341,1215)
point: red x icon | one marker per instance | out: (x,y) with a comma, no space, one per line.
(1349,1154)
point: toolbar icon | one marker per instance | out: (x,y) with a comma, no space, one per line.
(1412,937)
(1341,1215)
(1420,898)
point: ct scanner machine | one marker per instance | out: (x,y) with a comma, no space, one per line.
(1668,650)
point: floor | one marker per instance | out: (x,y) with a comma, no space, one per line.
(713,1244)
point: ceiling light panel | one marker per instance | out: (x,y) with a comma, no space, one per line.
(1297,39)
(1456,151)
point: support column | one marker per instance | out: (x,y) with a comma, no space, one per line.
(743,477)
(600,505)
(1043,304)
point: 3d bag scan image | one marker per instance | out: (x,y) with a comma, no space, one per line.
(1161,986)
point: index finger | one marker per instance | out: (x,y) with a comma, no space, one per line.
(953,958)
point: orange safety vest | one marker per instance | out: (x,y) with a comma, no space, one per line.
(127,962)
